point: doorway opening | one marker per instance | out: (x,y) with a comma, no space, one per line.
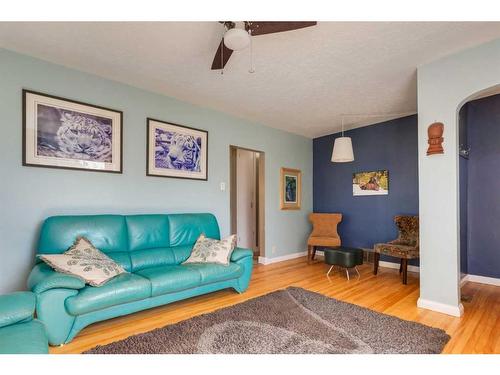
(247,196)
(479,157)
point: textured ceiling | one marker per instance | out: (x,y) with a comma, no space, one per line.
(304,79)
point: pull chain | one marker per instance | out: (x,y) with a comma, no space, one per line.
(251,70)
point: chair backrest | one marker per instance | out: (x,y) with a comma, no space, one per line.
(133,241)
(325,225)
(408,229)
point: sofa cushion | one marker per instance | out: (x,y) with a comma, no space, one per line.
(186,228)
(24,338)
(147,231)
(106,232)
(168,256)
(123,288)
(169,279)
(211,272)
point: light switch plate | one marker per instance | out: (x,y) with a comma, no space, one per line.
(222,186)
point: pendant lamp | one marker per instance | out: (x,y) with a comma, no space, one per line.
(342,148)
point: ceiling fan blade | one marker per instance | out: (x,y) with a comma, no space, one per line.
(221,58)
(269,27)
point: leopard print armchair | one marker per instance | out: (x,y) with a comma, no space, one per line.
(405,247)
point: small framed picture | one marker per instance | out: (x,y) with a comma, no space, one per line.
(176,151)
(63,133)
(290,189)
(370,183)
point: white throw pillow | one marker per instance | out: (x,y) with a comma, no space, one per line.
(84,261)
(208,250)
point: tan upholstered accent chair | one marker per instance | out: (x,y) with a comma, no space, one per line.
(324,232)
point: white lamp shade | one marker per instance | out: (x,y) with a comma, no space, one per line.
(236,39)
(342,150)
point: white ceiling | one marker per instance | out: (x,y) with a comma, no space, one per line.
(304,80)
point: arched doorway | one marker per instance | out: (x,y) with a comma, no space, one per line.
(479,133)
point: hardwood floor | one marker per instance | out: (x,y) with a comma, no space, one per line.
(478,331)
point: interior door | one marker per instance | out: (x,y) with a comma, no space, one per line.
(245,198)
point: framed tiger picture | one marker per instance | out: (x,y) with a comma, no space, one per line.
(63,133)
(176,151)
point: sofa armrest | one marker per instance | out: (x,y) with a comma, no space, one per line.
(43,278)
(240,253)
(16,307)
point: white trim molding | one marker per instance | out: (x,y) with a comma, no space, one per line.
(265,261)
(441,307)
(480,280)
(385,264)
(463,280)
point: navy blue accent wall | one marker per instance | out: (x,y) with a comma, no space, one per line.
(483,191)
(390,145)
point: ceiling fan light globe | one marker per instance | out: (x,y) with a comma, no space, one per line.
(236,39)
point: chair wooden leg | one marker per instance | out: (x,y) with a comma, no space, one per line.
(405,271)
(313,252)
(376,258)
(400,266)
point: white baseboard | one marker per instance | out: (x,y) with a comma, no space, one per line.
(480,280)
(265,261)
(385,264)
(441,307)
(463,280)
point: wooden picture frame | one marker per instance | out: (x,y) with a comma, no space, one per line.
(69,134)
(370,183)
(290,189)
(176,151)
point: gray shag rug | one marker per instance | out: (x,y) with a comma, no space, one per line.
(294,321)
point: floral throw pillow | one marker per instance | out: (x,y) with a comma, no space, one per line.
(208,250)
(84,261)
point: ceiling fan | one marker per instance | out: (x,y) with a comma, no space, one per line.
(236,39)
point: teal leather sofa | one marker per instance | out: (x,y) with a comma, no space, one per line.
(150,247)
(19,332)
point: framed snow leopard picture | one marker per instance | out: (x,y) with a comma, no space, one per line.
(176,151)
(63,133)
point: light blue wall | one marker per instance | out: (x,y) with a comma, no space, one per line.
(29,194)
(443,87)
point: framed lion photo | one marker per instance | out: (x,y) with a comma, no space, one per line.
(63,133)
(176,151)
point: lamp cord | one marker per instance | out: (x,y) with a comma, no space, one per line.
(224,27)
